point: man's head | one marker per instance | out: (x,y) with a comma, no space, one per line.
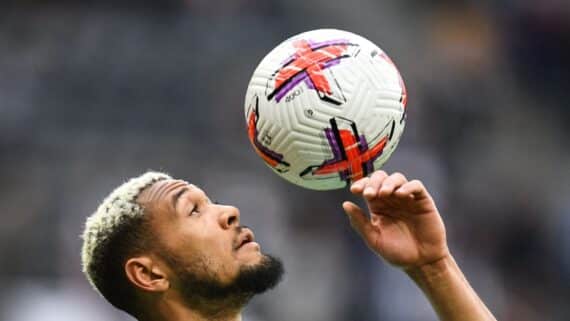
(156,238)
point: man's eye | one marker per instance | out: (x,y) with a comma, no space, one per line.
(194,210)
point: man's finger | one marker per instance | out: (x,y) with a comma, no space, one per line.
(392,183)
(371,189)
(358,186)
(415,188)
(358,219)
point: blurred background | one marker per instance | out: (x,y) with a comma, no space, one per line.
(95,92)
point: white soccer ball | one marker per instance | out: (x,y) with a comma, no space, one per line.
(325,108)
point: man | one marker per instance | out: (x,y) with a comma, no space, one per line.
(160,250)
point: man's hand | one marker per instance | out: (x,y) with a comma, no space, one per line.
(404,226)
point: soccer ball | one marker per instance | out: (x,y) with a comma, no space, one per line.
(325,108)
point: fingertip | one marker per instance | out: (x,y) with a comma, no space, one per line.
(349,207)
(382,173)
(357,184)
(404,195)
(386,189)
(401,191)
(355,216)
(355,189)
(369,192)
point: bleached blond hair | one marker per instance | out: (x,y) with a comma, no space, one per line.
(120,206)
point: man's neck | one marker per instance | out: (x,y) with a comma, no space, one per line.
(176,310)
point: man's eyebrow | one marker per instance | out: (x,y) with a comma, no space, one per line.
(177,196)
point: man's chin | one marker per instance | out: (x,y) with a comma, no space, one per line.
(261,273)
(260,276)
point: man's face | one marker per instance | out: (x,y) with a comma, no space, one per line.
(203,243)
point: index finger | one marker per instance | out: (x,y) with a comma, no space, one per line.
(415,188)
(358,186)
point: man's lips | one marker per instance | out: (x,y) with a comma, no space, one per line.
(246,237)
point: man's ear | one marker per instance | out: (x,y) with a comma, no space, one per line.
(146,274)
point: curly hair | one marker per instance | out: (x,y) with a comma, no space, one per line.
(118,230)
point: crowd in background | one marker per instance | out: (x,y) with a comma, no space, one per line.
(95,92)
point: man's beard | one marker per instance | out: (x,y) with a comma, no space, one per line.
(206,291)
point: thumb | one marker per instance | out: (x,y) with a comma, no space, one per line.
(358,218)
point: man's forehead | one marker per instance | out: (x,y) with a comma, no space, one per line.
(160,189)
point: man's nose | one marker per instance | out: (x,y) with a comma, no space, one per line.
(229,217)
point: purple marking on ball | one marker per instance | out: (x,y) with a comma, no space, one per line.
(266,150)
(303,75)
(299,78)
(334,145)
(334,42)
(332,62)
(364,147)
(287,88)
(315,45)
